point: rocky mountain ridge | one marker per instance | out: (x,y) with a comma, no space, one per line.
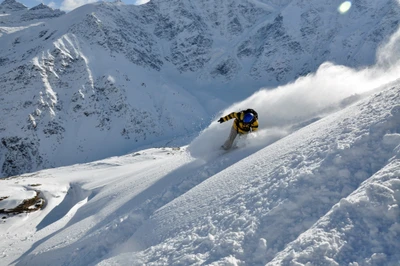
(11,6)
(17,14)
(107,78)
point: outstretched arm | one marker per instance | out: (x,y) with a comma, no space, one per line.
(229,117)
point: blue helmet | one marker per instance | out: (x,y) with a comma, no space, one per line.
(248,117)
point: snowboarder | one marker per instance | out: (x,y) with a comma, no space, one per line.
(246,121)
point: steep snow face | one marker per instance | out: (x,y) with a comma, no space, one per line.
(370,212)
(316,196)
(135,75)
(327,194)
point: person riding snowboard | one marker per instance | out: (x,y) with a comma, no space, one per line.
(246,121)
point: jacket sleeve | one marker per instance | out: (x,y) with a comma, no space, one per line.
(231,116)
(254,126)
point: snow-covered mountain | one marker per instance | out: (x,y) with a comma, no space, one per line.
(318,184)
(11,6)
(108,78)
(13,13)
(326,194)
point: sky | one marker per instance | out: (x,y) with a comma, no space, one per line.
(68,5)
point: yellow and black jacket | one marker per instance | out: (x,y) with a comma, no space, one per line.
(239,125)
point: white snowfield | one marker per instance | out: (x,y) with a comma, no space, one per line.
(327,193)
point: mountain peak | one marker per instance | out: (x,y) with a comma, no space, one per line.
(42,11)
(12,5)
(41,6)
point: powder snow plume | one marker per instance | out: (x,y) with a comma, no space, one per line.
(289,107)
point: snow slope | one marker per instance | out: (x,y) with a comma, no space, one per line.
(327,194)
(319,184)
(255,208)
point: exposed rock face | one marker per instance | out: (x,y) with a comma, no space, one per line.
(41,12)
(22,155)
(108,78)
(17,13)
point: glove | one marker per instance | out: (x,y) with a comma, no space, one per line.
(221,120)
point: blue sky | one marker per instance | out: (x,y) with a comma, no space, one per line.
(68,5)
